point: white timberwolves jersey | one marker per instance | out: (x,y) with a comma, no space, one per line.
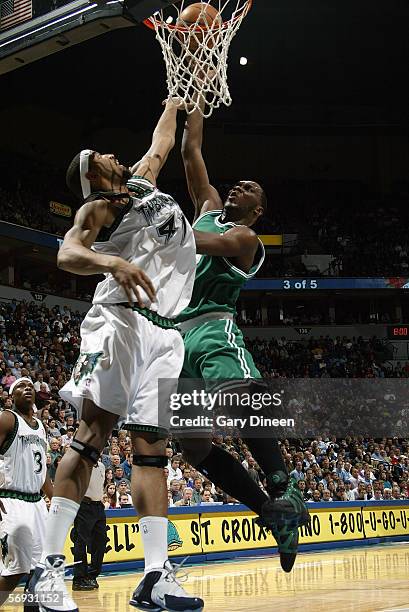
(23,458)
(152,233)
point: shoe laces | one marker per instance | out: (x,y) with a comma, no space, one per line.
(56,575)
(175,568)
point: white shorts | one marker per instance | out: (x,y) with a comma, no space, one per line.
(123,354)
(22,535)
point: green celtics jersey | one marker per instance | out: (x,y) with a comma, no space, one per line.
(217,282)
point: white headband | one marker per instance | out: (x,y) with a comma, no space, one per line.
(17,382)
(84,168)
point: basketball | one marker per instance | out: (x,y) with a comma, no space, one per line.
(198,14)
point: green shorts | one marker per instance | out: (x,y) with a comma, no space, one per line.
(215,350)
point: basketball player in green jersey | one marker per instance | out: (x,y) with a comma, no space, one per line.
(230,254)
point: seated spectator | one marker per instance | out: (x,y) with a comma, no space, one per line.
(207,497)
(253,471)
(197,491)
(302,486)
(115,461)
(360,491)
(326,496)
(67,438)
(123,489)
(112,495)
(40,381)
(124,501)
(187,477)
(127,465)
(8,379)
(186,499)
(396,493)
(169,454)
(42,396)
(60,418)
(174,469)
(53,430)
(119,475)
(316,496)
(105,501)
(109,477)
(54,448)
(175,487)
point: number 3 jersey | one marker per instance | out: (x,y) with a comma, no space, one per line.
(151,232)
(23,458)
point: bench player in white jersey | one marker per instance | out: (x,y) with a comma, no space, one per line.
(139,238)
(23,473)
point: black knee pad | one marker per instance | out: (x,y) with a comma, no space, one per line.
(90,453)
(150,461)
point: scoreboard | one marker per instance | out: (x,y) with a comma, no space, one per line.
(398,332)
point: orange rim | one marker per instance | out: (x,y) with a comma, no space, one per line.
(150,21)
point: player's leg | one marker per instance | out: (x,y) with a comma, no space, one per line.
(208,356)
(159,589)
(98,541)
(16,544)
(72,479)
(103,372)
(216,352)
(81,536)
(285,510)
(7,585)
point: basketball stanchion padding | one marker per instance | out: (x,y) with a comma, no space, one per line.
(195,40)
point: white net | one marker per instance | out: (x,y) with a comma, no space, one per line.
(196,52)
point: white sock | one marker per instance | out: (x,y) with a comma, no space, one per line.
(60,518)
(154,533)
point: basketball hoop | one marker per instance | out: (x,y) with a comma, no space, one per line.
(196,52)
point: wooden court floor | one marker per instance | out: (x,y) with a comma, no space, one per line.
(371,579)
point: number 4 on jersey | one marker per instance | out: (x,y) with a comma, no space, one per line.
(168,228)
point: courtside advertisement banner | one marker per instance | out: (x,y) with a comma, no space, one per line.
(233,528)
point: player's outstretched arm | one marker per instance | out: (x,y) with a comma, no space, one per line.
(204,196)
(236,242)
(75,254)
(163,141)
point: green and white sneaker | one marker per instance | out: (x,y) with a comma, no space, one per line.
(283,514)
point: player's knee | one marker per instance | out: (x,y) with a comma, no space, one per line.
(147,443)
(87,451)
(156,461)
(96,425)
(195,450)
(148,450)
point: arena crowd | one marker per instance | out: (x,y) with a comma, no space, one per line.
(44,344)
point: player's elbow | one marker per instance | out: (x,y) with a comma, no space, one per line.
(63,259)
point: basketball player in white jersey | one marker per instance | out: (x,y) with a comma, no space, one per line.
(23,473)
(139,238)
